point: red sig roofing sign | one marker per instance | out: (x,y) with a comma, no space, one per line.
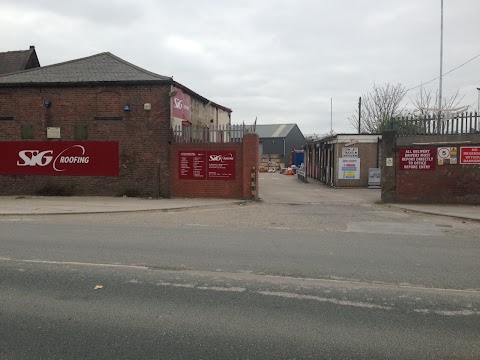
(59,158)
(206,165)
(470,155)
(417,159)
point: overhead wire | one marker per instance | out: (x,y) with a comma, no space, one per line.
(448,72)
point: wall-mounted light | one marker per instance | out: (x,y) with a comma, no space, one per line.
(47,103)
(172,93)
(126,107)
(147,106)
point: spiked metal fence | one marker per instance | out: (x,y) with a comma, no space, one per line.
(211,133)
(437,125)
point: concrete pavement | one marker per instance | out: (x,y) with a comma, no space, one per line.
(49,205)
(297,190)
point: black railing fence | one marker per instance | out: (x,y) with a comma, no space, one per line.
(466,123)
(211,133)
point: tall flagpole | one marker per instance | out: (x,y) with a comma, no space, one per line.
(441,61)
(331,114)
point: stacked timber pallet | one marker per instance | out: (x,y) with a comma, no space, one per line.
(271,163)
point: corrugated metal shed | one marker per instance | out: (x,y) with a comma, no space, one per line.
(274,131)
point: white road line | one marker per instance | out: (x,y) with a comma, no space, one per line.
(289,295)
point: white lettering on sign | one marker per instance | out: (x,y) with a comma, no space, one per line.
(44,158)
(178,104)
(221,158)
(35,157)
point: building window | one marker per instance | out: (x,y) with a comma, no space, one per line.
(81,132)
(27,132)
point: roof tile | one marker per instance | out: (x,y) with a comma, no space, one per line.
(103,67)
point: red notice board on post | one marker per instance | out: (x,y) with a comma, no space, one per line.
(192,164)
(418,159)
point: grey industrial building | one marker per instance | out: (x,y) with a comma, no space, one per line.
(280,139)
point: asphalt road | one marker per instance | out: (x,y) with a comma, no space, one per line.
(52,311)
(294,277)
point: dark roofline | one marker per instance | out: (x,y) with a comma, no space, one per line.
(332,137)
(136,67)
(27,58)
(160,77)
(277,124)
(205,100)
(85,83)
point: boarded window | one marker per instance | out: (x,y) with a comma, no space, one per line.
(27,131)
(81,132)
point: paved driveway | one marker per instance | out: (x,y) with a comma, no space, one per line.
(287,189)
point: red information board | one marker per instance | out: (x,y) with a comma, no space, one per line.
(192,164)
(203,165)
(221,165)
(89,158)
(469,155)
(418,159)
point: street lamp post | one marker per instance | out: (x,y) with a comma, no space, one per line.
(478,102)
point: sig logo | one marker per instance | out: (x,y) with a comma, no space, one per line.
(178,104)
(44,158)
(221,158)
(35,157)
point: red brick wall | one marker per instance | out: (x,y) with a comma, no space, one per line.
(143,136)
(240,188)
(448,183)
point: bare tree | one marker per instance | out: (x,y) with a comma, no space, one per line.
(425,104)
(380,105)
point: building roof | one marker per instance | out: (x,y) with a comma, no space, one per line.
(274,130)
(103,67)
(13,61)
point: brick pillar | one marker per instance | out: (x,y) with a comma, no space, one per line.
(388,172)
(250,160)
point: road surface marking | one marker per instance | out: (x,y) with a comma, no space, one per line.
(289,295)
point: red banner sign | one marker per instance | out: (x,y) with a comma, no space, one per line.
(470,155)
(417,159)
(221,165)
(203,165)
(59,158)
(181,106)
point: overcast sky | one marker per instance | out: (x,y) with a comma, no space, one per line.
(282,61)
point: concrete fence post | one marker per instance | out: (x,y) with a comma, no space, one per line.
(389,166)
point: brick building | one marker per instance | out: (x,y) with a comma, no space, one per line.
(344,160)
(93,126)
